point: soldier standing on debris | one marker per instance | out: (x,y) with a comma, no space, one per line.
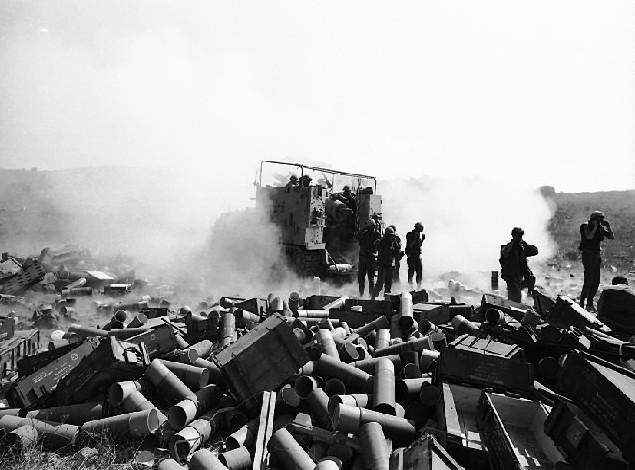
(514,268)
(388,249)
(367,238)
(395,273)
(591,234)
(414,240)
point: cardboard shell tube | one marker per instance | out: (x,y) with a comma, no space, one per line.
(334,386)
(192,376)
(186,411)
(373,444)
(204,460)
(426,359)
(170,464)
(288,452)
(327,463)
(23,437)
(194,435)
(356,380)
(137,321)
(462,325)
(86,331)
(368,365)
(236,459)
(382,338)
(384,387)
(228,329)
(245,436)
(326,341)
(408,390)
(118,391)
(168,383)
(318,403)
(349,419)
(378,323)
(136,425)
(361,400)
(54,435)
(72,414)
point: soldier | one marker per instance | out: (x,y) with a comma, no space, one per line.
(591,234)
(388,249)
(400,255)
(414,240)
(367,238)
(514,268)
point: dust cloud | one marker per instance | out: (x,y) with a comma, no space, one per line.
(466,220)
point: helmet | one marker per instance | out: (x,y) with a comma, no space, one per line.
(517,230)
(394,229)
(419,227)
(596,215)
(389,231)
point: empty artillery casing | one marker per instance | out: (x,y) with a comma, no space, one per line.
(170,464)
(362,400)
(395,328)
(118,391)
(356,380)
(204,460)
(318,403)
(382,338)
(380,322)
(408,390)
(53,435)
(137,321)
(462,325)
(368,364)
(437,340)
(194,435)
(215,375)
(347,352)
(192,376)
(228,329)
(77,291)
(245,318)
(289,454)
(429,394)
(136,401)
(136,425)
(326,341)
(312,313)
(334,386)
(414,345)
(245,436)
(22,438)
(304,385)
(427,358)
(186,411)
(171,388)
(234,419)
(373,445)
(236,459)
(287,400)
(349,419)
(86,331)
(72,414)
(384,387)
(328,463)
(406,318)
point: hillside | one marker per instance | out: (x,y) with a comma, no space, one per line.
(572,209)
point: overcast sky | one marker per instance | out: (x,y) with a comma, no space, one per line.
(538,90)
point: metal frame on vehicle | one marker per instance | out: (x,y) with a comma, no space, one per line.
(320,169)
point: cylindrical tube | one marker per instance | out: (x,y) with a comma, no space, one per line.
(380,322)
(382,339)
(462,325)
(368,365)
(427,358)
(325,338)
(186,411)
(406,319)
(236,459)
(228,329)
(23,437)
(408,390)
(328,463)
(194,435)
(288,452)
(312,313)
(429,394)
(137,321)
(349,419)
(347,352)
(53,435)
(337,303)
(136,425)
(334,386)
(170,464)
(72,414)
(86,331)
(384,387)
(414,345)
(204,460)
(361,400)
(356,380)
(245,436)
(215,375)
(318,403)
(118,391)
(395,329)
(164,379)
(437,340)
(192,376)
(373,445)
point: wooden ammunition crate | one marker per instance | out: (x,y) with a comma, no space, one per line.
(7,328)
(566,312)
(458,427)
(111,361)
(606,392)
(34,389)
(485,363)
(381,307)
(23,343)
(513,431)
(426,454)
(262,359)
(316,302)
(583,441)
(257,306)
(157,341)
(515,310)
(31,364)
(19,282)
